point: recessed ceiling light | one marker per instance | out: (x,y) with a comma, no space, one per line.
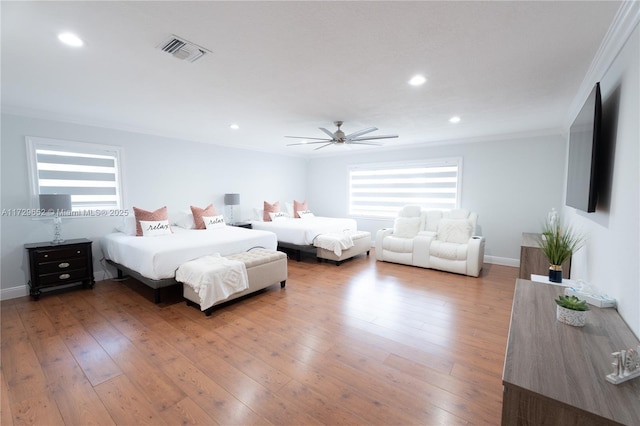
(455,119)
(234,127)
(417,80)
(70,39)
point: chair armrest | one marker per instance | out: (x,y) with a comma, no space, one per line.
(380,236)
(421,245)
(475,255)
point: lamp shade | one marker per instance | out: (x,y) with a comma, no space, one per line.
(55,202)
(231,199)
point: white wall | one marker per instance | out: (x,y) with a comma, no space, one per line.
(511,183)
(157,171)
(610,261)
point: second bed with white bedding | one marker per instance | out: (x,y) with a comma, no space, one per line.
(302,232)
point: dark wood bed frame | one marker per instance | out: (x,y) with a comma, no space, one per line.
(156,285)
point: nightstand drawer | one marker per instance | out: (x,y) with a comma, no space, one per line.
(62,277)
(68,265)
(61,266)
(50,255)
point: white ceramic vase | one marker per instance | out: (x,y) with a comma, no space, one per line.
(571,317)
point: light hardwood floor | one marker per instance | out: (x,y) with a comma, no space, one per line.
(363,343)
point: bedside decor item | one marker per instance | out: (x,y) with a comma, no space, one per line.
(571,310)
(626,366)
(558,245)
(59,205)
(231,200)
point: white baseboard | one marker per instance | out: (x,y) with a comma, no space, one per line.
(23,290)
(504,261)
(14,292)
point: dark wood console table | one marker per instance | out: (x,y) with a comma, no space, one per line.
(554,374)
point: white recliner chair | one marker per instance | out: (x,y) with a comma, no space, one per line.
(436,239)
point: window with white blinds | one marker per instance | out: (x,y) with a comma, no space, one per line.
(381,190)
(89,173)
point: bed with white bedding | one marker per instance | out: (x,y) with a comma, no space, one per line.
(154,260)
(299,233)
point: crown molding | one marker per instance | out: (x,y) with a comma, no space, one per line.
(622,26)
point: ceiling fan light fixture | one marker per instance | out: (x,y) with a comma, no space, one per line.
(454,119)
(417,80)
(234,126)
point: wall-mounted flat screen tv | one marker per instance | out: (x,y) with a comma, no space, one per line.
(582,191)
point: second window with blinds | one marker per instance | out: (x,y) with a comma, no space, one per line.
(381,190)
(90,173)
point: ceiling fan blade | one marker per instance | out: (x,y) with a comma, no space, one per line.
(330,143)
(330,134)
(308,143)
(304,137)
(365,143)
(361,132)
(366,138)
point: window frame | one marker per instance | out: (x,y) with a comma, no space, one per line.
(34,143)
(434,162)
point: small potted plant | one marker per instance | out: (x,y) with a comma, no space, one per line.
(571,310)
(558,245)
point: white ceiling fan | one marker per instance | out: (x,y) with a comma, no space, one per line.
(339,138)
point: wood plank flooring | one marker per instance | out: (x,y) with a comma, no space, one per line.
(363,343)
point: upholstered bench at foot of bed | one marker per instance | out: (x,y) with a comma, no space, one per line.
(361,244)
(264,268)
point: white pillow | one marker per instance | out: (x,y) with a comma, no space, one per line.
(258,215)
(277,216)
(127,225)
(406,227)
(305,214)
(184,219)
(288,208)
(153,228)
(454,230)
(213,222)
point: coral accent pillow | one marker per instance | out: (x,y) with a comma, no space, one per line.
(160,214)
(299,207)
(199,213)
(270,208)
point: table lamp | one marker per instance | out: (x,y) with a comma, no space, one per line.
(59,205)
(231,200)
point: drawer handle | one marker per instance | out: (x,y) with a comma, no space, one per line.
(46,255)
(63,265)
(78,252)
(64,276)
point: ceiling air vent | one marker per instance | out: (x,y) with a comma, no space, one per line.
(183,49)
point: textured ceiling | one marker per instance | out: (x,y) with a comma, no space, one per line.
(287,68)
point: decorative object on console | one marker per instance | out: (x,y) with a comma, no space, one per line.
(231,200)
(339,138)
(571,310)
(558,245)
(626,366)
(59,205)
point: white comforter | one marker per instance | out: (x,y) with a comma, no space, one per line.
(159,257)
(303,231)
(213,278)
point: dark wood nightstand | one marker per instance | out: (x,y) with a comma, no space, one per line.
(54,266)
(242,225)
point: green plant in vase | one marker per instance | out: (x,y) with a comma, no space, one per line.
(558,245)
(571,310)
